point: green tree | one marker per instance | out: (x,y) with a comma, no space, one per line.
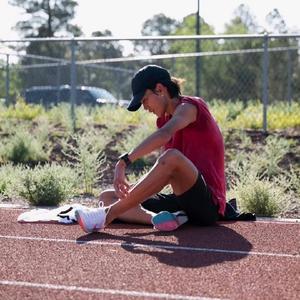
(226,76)
(241,71)
(284,61)
(244,71)
(185,67)
(106,76)
(45,18)
(158,25)
(276,21)
(245,17)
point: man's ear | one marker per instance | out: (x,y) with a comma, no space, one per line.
(159,88)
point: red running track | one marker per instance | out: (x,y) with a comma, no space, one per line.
(241,260)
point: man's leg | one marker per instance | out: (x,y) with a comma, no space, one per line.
(134,215)
(172,167)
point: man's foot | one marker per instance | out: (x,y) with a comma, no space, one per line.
(166,221)
(91,219)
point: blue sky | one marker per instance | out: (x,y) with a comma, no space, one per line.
(125,17)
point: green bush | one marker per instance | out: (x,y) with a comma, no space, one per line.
(120,117)
(261,196)
(257,181)
(294,177)
(60,115)
(48,185)
(87,157)
(262,160)
(234,115)
(133,138)
(282,115)
(22,147)
(273,152)
(21,111)
(11,180)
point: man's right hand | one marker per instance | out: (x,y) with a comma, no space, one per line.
(121,185)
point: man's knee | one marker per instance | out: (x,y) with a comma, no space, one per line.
(108,197)
(170,157)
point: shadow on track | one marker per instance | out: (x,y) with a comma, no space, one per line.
(195,247)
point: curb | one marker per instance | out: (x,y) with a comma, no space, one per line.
(14,206)
(283,220)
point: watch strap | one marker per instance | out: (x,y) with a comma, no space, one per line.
(126,159)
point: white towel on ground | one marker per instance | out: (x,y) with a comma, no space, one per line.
(64,214)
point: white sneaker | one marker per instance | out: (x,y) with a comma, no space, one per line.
(91,219)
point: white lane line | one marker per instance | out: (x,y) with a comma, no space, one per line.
(72,288)
(151,246)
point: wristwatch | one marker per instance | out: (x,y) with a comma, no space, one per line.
(126,159)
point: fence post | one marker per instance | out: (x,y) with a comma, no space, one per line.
(265,91)
(198,49)
(73,78)
(7,81)
(58,83)
(289,87)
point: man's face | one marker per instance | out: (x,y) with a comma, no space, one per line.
(153,103)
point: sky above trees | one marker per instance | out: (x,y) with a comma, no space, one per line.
(126,18)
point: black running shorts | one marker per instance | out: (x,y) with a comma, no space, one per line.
(197,203)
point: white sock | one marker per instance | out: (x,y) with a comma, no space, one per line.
(181,217)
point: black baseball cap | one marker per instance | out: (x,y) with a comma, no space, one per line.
(146,78)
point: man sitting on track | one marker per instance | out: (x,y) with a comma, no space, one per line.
(192,162)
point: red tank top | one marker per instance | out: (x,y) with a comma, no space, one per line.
(202,142)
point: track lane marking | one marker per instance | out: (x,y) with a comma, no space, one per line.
(151,246)
(72,288)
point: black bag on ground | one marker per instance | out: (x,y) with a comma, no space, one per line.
(233,214)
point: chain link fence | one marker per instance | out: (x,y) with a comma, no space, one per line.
(229,68)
